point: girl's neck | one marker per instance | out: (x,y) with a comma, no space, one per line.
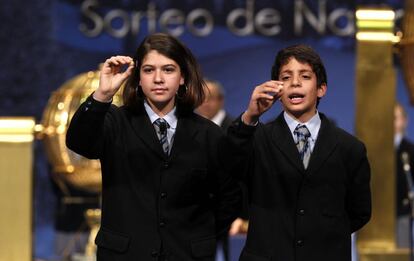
(161,109)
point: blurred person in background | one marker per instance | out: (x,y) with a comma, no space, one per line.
(402,144)
(213,106)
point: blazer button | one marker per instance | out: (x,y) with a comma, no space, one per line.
(166,164)
(301,212)
(163,195)
(162,223)
(154,253)
(299,242)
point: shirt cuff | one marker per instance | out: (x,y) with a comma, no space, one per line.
(239,128)
(93,105)
(254,124)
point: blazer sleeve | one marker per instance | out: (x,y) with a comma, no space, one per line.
(85,134)
(229,201)
(238,150)
(224,191)
(358,201)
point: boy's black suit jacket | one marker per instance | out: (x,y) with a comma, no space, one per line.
(297,214)
(153,204)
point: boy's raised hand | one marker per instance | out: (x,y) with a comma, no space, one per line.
(112,77)
(262,99)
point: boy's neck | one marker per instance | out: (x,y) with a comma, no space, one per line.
(302,117)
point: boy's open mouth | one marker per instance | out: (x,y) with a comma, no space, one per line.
(296,97)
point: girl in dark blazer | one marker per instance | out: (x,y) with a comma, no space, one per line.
(165,195)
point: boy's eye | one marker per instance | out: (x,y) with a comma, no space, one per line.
(305,76)
(284,78)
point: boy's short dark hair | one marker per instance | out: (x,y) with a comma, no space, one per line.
(303,54)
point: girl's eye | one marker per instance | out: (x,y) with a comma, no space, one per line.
(284,78)
(169,69)
(307,77)
(147,70)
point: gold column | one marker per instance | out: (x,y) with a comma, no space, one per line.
(375,99)
(16,138)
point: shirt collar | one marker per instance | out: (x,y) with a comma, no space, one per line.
(171,118)
(313,125)
(397,139)
(219,117)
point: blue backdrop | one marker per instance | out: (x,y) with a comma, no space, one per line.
(46,42)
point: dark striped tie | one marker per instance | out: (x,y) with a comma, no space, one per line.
(161,127)
(302,143)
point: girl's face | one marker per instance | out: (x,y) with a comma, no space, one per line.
(160,78)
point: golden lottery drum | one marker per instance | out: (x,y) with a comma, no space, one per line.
(66,164)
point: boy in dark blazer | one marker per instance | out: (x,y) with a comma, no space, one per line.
(309,188)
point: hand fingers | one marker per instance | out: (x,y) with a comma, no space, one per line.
(271,88)
(116,61)
(264,104)
(264,96)
(128,71)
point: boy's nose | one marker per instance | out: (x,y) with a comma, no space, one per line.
(295,81)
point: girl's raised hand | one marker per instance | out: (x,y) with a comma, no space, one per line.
(113,76)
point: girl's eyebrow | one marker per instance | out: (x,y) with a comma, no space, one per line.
(168,64)
(290,71)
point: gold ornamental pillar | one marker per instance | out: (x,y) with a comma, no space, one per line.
(16,138)
(375,100)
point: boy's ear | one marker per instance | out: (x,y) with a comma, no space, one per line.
(322,90)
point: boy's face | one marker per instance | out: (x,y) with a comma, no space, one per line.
(300,90)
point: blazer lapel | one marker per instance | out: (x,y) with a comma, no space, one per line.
(186,130)
(145,130)
(283,139)
(324,146)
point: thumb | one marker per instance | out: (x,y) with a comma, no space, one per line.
(127,72)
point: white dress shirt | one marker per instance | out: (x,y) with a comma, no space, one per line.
(219,117)
(313,125)
(170,118)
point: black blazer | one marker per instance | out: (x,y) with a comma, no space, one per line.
(297,214)
(151,202)
(226,123)
(402,202)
